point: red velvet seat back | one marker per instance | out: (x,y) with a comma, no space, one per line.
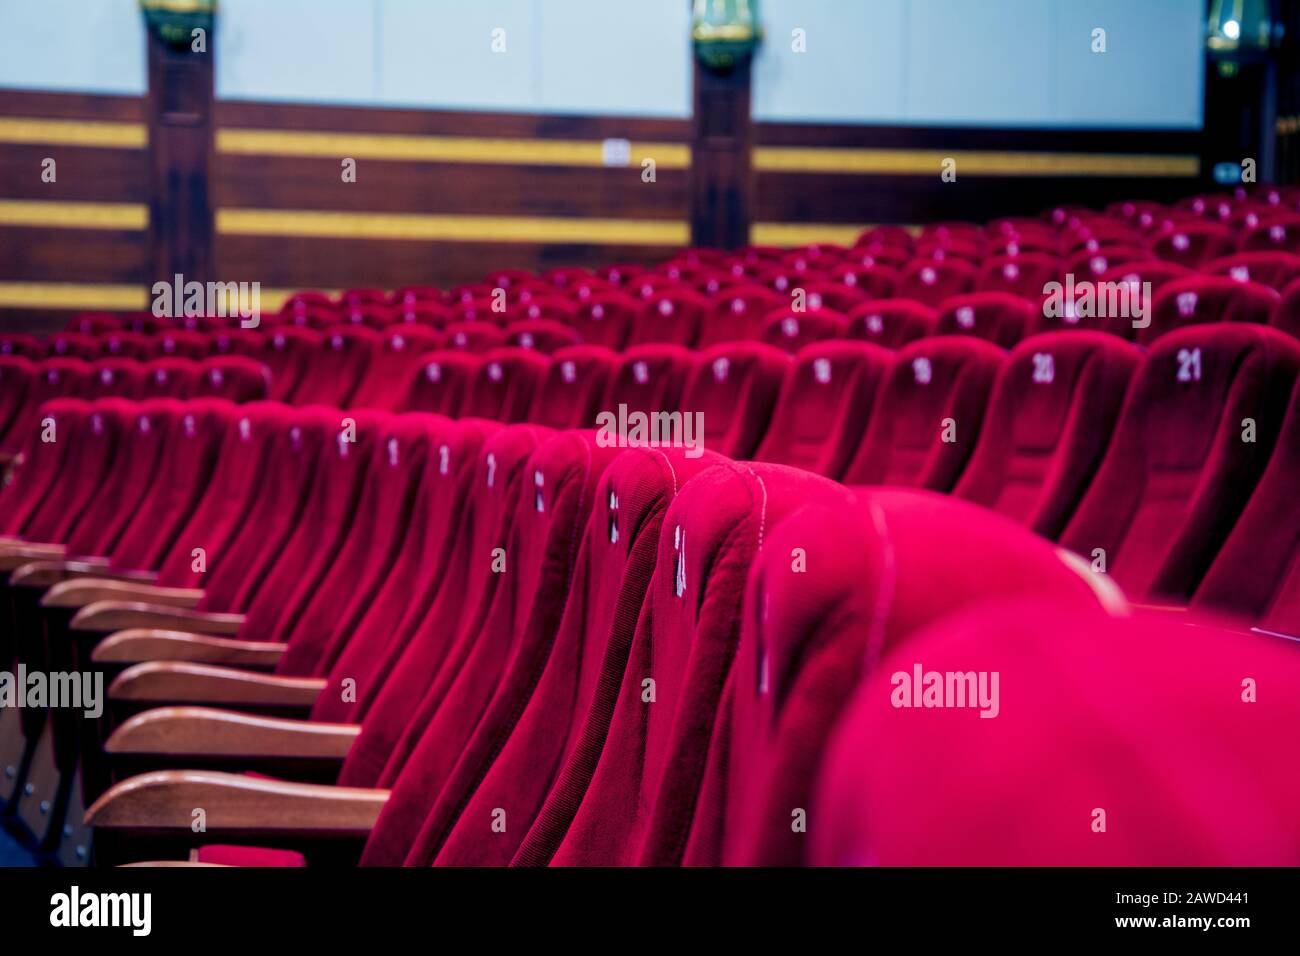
(672,316)
(1193,243)
(387,706)
(339,366)
(289,353)
(146,434)
(734,387)
(276,601)
(1049,422)
(998,317)
(1199,299)
(357,651)
(810,632)
(792,331)
(234,485)
(233,378)
(375,527)
(389,374)
(1022,275)
(1256,575)
(825,403)
(891,323)
(649,379)
(504,385)
(42,468)
(542,754)
(18,343)
(1273,269)
(930,282)
(478,337)
(440,382)
(1131,713)
(170,378)
(1178,472)
(654,754)
(541,335)
(471,708)
(606,319)
(928,414)
(55,378)
(88,347)
(182,343)
(17,374)
(575,383)
(123,377)
(737,314)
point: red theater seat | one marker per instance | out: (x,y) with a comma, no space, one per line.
(170,378)
(1178,471)
(672,316)
(504,385)
(290,354)
(541,335)
(825,403)
(121,377)
(606,319)
(570,395)
(928,414)
(235,378)
(182,343)
(734,387)
(1286,314)
(475,336)
(649,379)
(339,366)
(1276,233)
(1023,275)
(931,282)
(791,331)
(1049,422)
(441,381)
(1103,728)
(1193,243)
(891,322)
(1199,299)
(808,636)
(16,343)
(1273,269)
(1256,575)
(639,759)
(999,317)
(388,377)
(737,314)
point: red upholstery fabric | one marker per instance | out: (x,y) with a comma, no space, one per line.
(928,414)
(649,379)
(810,631)
(570,395)
(436,528)
(580,674)
(339,366)
(1133,718)
(791,331)
(931,282)
(1178,473)
(388,707)
(1049,422)
(734,387)
(474,701)
(441,381)
(891,322)
(1022,275)
(389,374)
(653,755)
(1273,269)
(999,317)
(825,403)
(1197,299)
(504,385)
(672,315)
(738,315)
(606,319)
(224,855)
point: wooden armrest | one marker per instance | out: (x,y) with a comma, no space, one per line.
(166,800)
(46,574)
(208,732)
(14,555)
(79,592)
(124,866)
(179,682)
(138,644)
(110,616)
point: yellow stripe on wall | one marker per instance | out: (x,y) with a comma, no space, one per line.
(73,215)
(55,132)
(69,295)
(441,149)
(361,225)
(920,162)
(789,234)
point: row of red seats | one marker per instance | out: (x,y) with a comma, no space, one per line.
(865,415)
(25,385)
(461,695)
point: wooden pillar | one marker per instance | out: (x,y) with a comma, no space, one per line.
(722,176)
(179,113)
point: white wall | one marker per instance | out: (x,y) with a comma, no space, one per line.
(82,46)
(561,56)
(898,62)
(983,62)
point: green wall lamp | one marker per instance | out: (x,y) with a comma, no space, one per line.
(174,21)
(725,32)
